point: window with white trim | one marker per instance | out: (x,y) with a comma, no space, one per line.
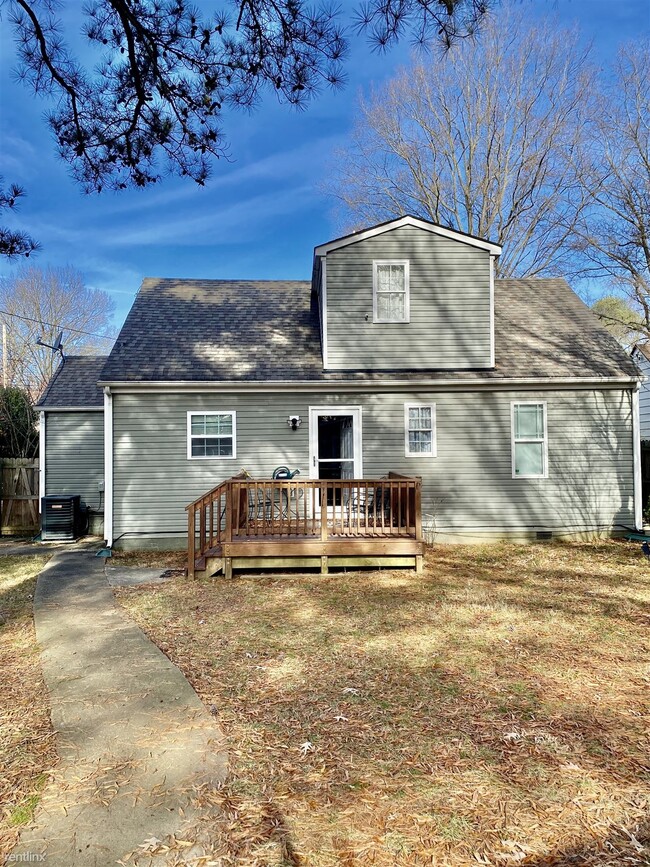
(420,430)
(529,440)
(211,435)
(390,291)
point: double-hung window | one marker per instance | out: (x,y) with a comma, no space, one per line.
(529,441)
(390,296)
(211,435)
(420,430)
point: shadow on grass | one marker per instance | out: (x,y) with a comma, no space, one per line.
(622,845)
(17,584)
(445,694)
(570,588)
(418,607)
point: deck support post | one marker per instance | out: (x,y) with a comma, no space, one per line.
(227,567)
(324,565)
(419,564)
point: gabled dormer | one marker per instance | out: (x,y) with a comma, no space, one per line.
(407,294)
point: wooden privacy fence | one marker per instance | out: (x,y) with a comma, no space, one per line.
(19,507)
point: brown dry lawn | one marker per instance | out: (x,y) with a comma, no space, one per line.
(26,738)
(493,710)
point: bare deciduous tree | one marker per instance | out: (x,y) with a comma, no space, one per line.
(37,302)
(483,141)
(614,234)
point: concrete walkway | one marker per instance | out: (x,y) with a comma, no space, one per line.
(133,738)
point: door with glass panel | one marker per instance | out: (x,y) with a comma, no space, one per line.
(335,444)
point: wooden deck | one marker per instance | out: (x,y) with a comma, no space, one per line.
(262,523)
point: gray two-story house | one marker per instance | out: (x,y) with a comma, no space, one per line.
(515,410)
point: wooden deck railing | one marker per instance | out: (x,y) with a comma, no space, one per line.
(243,508)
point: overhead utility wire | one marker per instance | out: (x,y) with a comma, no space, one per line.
(58,325)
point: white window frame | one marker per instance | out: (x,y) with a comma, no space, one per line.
(434,438)
(191,436)
(542,403)
(407,294)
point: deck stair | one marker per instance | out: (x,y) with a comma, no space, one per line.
(246,523)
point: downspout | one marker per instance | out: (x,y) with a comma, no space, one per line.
(636,445)
(41,458)
(492,337)
(108,466)
(323,278)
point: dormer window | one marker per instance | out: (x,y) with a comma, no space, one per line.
(390,290)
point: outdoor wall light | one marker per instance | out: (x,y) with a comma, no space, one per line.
(294,422)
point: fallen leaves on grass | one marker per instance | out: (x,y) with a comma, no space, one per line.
(498,713)
(175,562)
(26,738)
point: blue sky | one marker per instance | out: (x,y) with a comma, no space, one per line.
(261,214)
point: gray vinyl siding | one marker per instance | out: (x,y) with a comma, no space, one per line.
(449,305)
(74,455)
(644,397)
(468,486)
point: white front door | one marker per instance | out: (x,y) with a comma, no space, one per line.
(335,442)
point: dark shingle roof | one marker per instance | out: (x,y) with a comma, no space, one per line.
(212,330)
(74,383)
(217,329)
(542,328)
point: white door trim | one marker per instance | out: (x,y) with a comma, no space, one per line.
(356,413)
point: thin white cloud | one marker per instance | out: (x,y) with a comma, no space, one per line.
(230,223)
(219,214)
(281,165)
(22,161)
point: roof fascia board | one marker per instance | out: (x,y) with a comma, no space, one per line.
(69,408)
(324,249)
(542,384)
